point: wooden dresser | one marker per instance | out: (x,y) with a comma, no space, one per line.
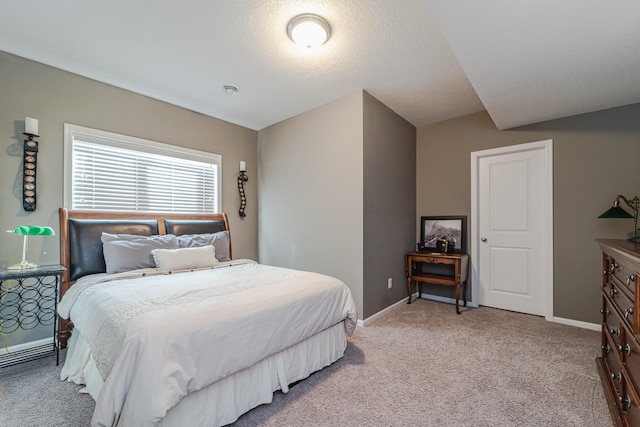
(619,364)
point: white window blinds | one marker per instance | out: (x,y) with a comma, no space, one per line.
(111,172)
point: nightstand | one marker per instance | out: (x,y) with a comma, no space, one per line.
(29,298)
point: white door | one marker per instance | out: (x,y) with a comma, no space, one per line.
(513,228)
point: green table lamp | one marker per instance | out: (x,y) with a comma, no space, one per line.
(615,211)
(26,231)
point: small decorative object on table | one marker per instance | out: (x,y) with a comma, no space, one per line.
(442,245)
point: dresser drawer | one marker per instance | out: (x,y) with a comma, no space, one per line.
(614,368)
(628,402)
(630,355)
(623,304)
(611,323)
(625,275)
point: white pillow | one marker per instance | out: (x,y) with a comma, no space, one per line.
(185,258)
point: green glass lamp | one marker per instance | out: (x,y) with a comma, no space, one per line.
(26,231)
(615,211)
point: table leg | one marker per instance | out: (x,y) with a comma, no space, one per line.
(465,293)
(458,298)
(409,289)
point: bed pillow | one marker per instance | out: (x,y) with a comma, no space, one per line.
(126,252)
(219,240)
(185,258)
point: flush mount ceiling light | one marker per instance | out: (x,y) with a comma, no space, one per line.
(309,31)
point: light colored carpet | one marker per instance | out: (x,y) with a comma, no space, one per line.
(423,365)
(420,365)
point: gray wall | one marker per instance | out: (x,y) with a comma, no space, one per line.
(595,156)
(337,196)
(389,203)
(54,97)
(310,192)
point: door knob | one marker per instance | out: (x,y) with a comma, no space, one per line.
(484,239)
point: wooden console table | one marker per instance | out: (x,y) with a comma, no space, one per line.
(438,269)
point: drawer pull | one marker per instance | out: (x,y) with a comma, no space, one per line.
(617,376)
(613,292)
(613,267)
(630,278)
(615,331)
(606,348)
(626,401)
(627,312)
(626,348)
(605,311)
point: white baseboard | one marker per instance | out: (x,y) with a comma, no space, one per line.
(381,313)
(569,322)
(26,345)
(577,323)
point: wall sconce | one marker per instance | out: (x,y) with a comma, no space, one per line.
(29,164)
(26,231)
(242,178)
(617,212)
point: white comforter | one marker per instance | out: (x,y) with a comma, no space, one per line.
(157,337)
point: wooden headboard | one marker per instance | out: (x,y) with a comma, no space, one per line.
(81,245)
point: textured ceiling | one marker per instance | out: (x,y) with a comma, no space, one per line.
(532,61)
(526,61)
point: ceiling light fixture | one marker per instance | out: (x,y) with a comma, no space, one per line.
(309,31)
(230,88)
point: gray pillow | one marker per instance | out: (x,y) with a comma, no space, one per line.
(125,252)
(219,240)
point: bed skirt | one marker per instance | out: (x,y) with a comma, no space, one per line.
(225,400)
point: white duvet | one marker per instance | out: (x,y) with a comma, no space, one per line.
(157,337)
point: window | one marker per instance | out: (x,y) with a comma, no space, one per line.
(110,172)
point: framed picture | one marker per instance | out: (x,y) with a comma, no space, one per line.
(451,228)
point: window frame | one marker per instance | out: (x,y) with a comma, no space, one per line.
(113,139)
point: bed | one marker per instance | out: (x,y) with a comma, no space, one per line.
(164,327)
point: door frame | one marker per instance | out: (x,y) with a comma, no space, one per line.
(547,147)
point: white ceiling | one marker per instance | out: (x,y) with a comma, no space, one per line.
(428,60)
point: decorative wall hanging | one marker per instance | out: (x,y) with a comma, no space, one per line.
(29,164)
(242,178)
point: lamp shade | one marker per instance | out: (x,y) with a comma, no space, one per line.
(616,212)
(33,230)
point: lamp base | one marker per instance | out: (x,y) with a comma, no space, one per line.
(24,265)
